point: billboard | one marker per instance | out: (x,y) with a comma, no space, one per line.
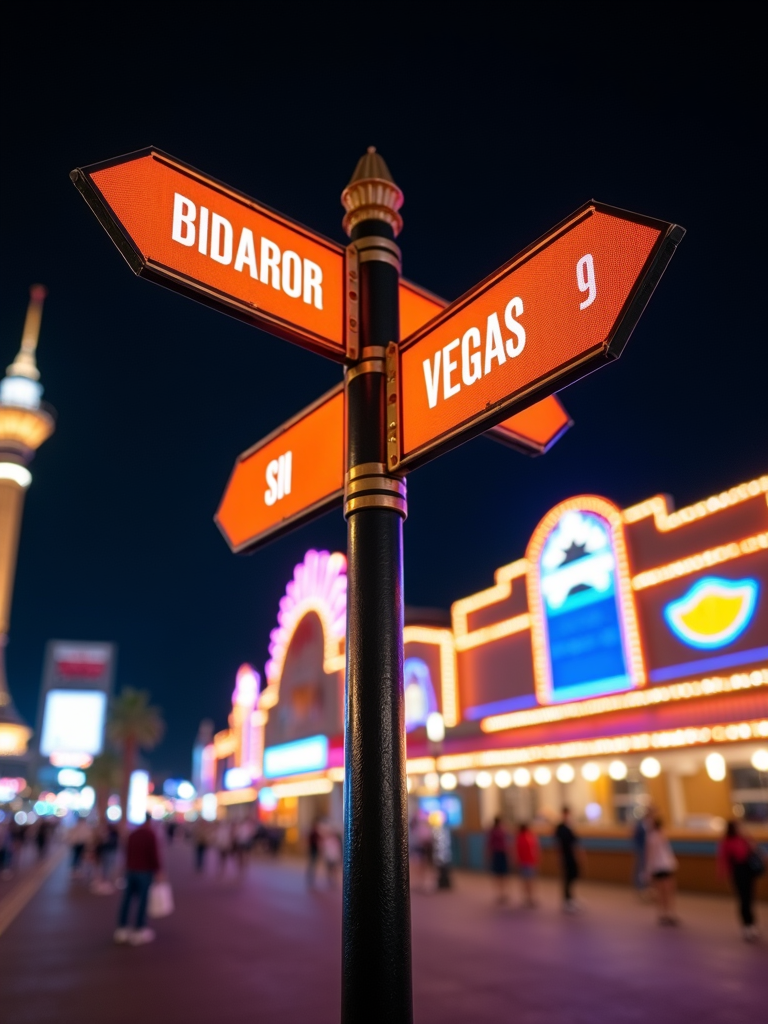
(72,711)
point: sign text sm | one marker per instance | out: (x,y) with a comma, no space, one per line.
(555,312)
(187,231)
(293,475)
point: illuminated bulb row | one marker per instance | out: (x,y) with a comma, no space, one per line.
(650,768)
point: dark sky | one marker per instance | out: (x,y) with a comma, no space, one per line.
(495,126)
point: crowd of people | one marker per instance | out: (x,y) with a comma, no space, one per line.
(738,861)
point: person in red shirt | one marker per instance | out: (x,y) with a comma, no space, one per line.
(527,859)
(733,858)
(142,862)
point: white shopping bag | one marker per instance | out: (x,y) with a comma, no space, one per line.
(160,899)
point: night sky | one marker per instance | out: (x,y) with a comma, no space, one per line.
(495,131)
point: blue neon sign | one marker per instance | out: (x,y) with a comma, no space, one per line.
(307,755)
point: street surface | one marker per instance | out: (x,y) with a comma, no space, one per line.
(263,949)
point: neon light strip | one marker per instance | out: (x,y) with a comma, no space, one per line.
(484,635)
(704,560)
(236,796)
(503,589)
(624,701)
(498,707)
(448,678)
(310,787)
(666,740)
(664,520)
(661,675)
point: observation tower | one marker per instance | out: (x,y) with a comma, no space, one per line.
(25,422)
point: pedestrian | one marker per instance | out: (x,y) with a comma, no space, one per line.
(243,834)
(442,854)
(570,854)
(421,844)
(313,850)
(42,836)
(498,842)
(142,862)
(105,849)
(527,860)
(223,842)
(200,837)
(738,858)
(639,836)
(331,847)
(78,837)
(661,865)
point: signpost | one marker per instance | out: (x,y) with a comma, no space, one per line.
(488,362)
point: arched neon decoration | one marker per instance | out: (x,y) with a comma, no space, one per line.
(583,623)
(420,700)
(713,613)
(319,585)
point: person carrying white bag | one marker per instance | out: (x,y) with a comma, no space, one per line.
(142,864)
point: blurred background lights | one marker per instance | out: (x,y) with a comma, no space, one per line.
(542,775)
(71,777)
(210,804)
(432,781)
(715,764)
(590,771)
(503,779)
(483,780)
(85,799)
(760,760)
(617,770)
(114,813)
(522,777)
(435,727)
(565,773)
(186,791)
(448,781)
(650,768)
(593,812)
(467,777)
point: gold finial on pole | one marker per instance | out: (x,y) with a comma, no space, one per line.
(372,194)
(25,365)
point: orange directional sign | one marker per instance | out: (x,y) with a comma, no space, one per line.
(558,310)
(187,231)
(291,476)
(532,431)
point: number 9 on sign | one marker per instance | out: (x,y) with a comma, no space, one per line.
(585,277)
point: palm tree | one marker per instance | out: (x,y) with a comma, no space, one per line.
(133,724)
(105,775)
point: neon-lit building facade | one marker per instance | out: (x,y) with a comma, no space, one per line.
(623,652)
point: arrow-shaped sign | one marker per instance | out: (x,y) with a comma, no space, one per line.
(558,310)
(181,228)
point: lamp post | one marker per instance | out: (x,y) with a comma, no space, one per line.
(24,425)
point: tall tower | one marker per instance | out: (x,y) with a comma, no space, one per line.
(24,424)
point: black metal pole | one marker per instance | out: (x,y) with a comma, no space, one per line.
(376,941)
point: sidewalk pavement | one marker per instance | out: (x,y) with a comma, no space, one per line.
(263,949)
